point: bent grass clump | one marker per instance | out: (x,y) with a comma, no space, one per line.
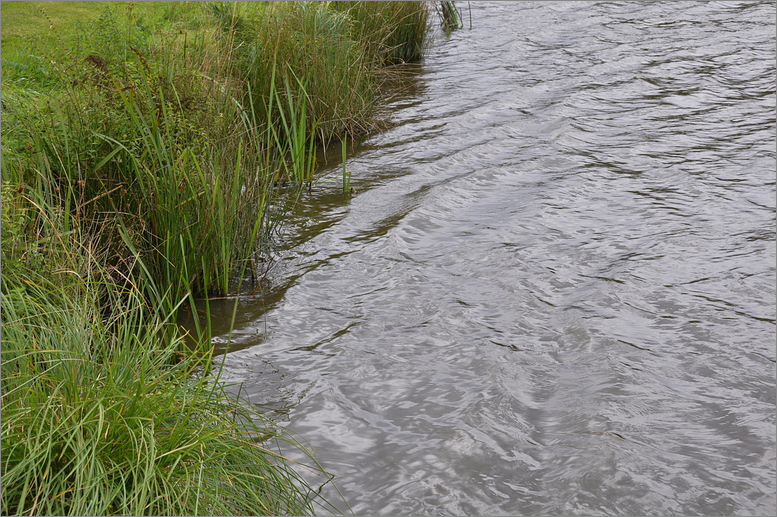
(103,417)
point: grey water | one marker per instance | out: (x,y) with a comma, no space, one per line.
(553,289)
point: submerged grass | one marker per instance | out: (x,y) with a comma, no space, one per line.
(450,15)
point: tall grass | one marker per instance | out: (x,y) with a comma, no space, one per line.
(186,145)
(294,141)
(391,32)
(303,43)
(145,165)
(120,203)
(101,416)
(123,143)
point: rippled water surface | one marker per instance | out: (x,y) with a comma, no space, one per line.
(553,291)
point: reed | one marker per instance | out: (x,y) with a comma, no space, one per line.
(391,32)
(303,44)
(294,141)
(107,230)
(346,173)
(123,142)
(450,15)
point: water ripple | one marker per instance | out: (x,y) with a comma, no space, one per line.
(554,290)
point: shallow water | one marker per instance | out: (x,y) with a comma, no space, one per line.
(553,291)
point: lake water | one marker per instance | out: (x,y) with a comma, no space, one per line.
(553,290)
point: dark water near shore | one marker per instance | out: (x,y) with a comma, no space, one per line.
(553,291)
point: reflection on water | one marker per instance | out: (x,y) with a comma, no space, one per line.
(554,289)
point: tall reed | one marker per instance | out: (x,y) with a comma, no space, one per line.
(391,32)
(333,49)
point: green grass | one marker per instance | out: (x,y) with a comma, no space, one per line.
(303,45)
(391,32)
(51,25)
(102,416)
(121,143)
(180,132)
(149,153)
(450,15)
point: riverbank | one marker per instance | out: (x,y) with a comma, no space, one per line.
(149,154)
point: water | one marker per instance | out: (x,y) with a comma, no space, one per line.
(553,291)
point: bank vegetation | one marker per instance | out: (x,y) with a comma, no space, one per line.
(149,154)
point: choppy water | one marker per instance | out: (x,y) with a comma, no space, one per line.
(554,289)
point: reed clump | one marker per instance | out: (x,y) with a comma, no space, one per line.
(327,54)
(390,32)
(449,15)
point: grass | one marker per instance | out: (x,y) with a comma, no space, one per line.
(304,46)
(391,32)
(183,140)
(103,416)
(119,143)
(42,25)
(346,173)
(450,16)
(149,153)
